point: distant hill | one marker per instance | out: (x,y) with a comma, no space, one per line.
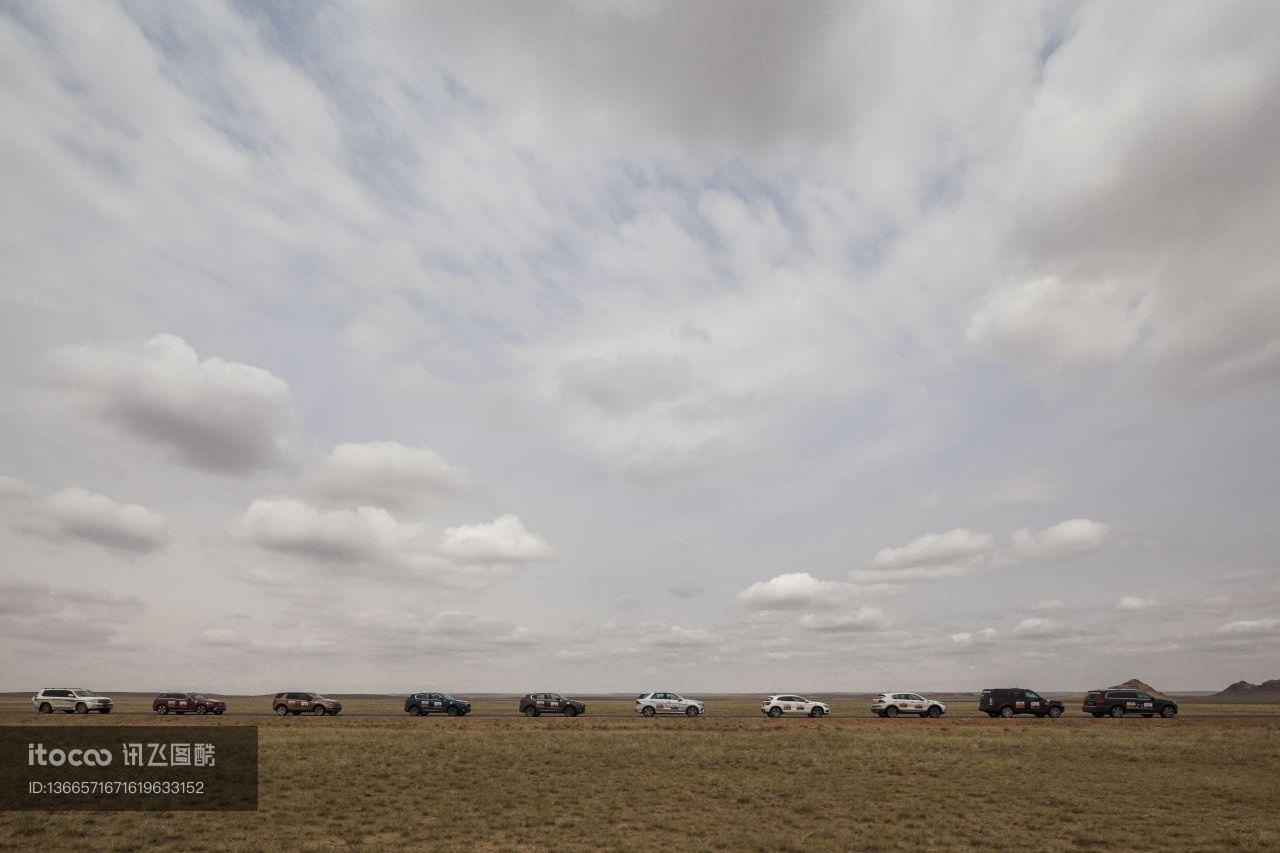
(1137,684)
(1243,691)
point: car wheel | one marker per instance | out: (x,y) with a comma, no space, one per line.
(453,711)
(817,712)
(1168,711)
(570,711)
(1055,712)
(648,711)
(318,710)
(162,710)
(775,712)
(692,711)
(935,711)
(1006,711)
(46,708)
(82,708)
(415,711)
(281,710)
(1117,710)
(202,710)
(531,711)
(891,711)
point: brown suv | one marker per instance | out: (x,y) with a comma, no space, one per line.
(304,703)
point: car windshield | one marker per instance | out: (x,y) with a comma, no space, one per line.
(198,696)
(87,693)
(447,696)
(316,697)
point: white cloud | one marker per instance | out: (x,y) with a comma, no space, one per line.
(213,414)
(373,536)
(503,540)
(361,535)
(673,637)
(933,549)
(794,591)
(1133,603)
(77,514)
(386,474)
(853,621)
(1066,539)
(929,557)
(1249,627)
(1034,626)
(1050,327)
(968,638)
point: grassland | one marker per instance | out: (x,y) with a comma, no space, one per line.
(720,783)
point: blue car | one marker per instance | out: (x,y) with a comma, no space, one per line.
(421,704)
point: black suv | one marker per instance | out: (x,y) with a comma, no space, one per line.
(1117,703)
(533,704)
(1007,701)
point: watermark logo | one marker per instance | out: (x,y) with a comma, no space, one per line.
(38,756)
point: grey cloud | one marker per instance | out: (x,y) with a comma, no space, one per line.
(51,614)
(624,385)
(687,589)
(1145,198)
(216,415)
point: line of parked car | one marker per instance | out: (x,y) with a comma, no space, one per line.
(996,702)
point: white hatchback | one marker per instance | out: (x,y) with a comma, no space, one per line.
(893,704)
(776,706)
(668,703)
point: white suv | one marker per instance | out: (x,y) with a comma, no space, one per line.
(72,700)
(668,703)
(893,704)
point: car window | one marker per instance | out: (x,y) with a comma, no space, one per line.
(1031,694)
(1142,695)
(914,698)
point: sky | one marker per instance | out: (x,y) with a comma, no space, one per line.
(629,346)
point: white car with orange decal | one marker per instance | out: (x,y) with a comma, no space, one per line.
(668,703)
(893,704)
(789,703)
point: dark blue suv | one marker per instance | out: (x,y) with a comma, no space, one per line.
(421,704)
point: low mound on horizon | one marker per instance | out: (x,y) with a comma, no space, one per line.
(1244,691)
(1137,684)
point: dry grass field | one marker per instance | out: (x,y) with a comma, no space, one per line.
(842,783)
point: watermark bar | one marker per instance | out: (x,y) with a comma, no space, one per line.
(128,768)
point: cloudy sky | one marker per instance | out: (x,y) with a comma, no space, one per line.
(628,346)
